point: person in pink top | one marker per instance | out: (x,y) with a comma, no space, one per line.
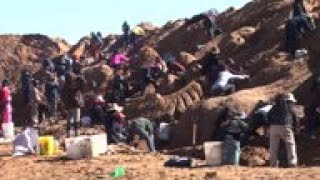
(5,101)
(118,59)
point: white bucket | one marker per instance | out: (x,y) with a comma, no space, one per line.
(213,153)
(86,146)
(8,130)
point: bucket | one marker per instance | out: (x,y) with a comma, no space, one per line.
(98,144)
(213,153)
(8,130)
(86,146)
(231,152)
(47,145)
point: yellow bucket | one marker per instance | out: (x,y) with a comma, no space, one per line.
(47,145)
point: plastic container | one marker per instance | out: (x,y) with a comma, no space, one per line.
(47,145)
(118,172)
(98,145)
(8,130)
(86,146)
(213,153)
(231,152)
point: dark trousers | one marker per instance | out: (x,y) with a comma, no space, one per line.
(73,122)
(292,37)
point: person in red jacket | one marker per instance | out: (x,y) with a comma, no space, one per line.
(6,105)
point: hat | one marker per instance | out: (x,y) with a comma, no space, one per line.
(290,97)
(116,107)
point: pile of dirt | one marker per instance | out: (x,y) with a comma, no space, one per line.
(255,156)
(26,52)
(146,56)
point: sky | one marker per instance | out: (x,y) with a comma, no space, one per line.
(73,19)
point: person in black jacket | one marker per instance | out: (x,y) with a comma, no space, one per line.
(126,33)
(282,123)
(52,93)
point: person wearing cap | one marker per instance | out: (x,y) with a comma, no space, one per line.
(6,102)
(283,121)
(145,129)
(52,94)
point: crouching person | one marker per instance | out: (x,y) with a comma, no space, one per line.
(282,123)
(145,129)
(26,143)
(223,84)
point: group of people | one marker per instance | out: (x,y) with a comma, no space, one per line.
(277,115)
(63,83)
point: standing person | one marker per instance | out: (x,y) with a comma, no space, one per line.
(120,87)
(52,93)
(298,8)
(72,97)
(6,102)
(145,129)
(35,102)
(210,23)
(26,85)
(61,69)
(222,84)
(126,33)
(282,123)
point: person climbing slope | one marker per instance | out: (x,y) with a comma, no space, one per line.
(222,84)
(126,33)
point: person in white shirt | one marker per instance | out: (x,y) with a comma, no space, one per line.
(223,81)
